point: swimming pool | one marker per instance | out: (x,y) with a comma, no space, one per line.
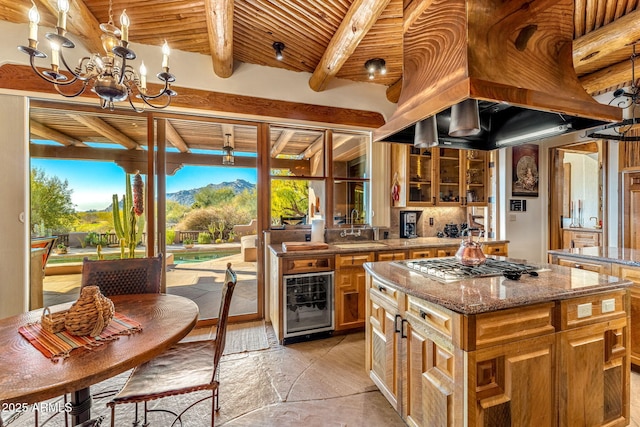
(200,256)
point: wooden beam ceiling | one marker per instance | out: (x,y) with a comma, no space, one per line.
(220,31)
(282,141)
(45,132)
(175,139)
(590,50)
(356,24)
(106,130)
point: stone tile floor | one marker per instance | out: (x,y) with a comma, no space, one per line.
(315,383)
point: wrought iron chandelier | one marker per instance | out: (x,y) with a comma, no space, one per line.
(626,100)
(112,78)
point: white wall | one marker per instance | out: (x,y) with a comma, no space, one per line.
(14,180)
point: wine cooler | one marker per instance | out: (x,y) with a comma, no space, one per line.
(309,304)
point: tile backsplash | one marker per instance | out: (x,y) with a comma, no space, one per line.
(441,217)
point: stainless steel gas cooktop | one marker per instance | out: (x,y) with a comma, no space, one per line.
(449,269)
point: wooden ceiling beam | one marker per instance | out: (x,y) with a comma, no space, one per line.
(46,132)
(597,44)
(282,142)
(175,139)
(106,130)
(393,91)
(80,22)
(314,147)
(356,24)
(612,76)
(220,30)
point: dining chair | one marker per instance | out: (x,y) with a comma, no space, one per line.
(123,276)
(185,368)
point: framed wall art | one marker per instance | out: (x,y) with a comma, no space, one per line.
(525,171)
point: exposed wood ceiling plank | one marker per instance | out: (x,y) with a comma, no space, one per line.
(106,130)
(597,44)
(609,77)
(359,19)
(220,31)
(80,22)
(45,132)
(175,139)
(282,141)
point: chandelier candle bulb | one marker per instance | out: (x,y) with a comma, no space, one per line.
(165,55)
(55,56)
(63,8)
(34,19)
(124,21)
(143,76)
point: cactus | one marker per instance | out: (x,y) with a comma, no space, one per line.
(127,226)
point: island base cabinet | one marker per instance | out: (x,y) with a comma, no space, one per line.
(382,345)
(513,384)
(594,375)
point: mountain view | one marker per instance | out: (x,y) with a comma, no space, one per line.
(186,197)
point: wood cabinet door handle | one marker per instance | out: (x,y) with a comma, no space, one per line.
(382,289)
(580,266)
(403,334)
(423,314)
(396,328)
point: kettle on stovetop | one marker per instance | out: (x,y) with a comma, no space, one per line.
(470,252)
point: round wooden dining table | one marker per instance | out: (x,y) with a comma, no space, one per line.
(28,377)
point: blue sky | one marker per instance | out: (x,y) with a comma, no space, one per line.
(94,183)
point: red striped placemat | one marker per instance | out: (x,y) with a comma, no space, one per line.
(59,345)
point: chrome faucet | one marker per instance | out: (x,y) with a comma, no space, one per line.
(352,232)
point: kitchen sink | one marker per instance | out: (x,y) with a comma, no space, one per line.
(359,245)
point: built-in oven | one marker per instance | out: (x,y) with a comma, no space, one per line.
(308,305)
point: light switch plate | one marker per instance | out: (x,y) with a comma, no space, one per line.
(584,310)
(608,305)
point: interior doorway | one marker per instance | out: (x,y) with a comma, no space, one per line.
(577,217)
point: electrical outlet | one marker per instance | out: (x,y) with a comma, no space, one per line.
(584,310)
(431,222)
(608,305)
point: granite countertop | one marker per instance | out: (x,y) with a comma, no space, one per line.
(487,294)
(350,246)
(625,256)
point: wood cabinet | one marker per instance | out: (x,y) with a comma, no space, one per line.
(539,365)
(497,249)
(633,274)
(391,256)
(582,264)
(572,238)
(350,291)
(441,176)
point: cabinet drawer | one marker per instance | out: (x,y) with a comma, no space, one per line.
(447,251)
(598,267)
(498,249)
(422,253)
(431,317)
(307,265)
(506,326)
(591,309)
(384,293)
(354,260)
(391,256)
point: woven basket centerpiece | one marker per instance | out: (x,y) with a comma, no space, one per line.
(90,314)
(53,321)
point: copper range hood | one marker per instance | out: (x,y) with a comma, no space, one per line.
(514,57)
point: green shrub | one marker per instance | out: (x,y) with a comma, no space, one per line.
(204,238)
(170,237)
(200,219)
(92,238)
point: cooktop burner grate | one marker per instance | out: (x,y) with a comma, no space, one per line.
(449,269)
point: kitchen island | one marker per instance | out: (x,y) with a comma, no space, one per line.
(547,350)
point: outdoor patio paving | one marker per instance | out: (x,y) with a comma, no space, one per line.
(198,281)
